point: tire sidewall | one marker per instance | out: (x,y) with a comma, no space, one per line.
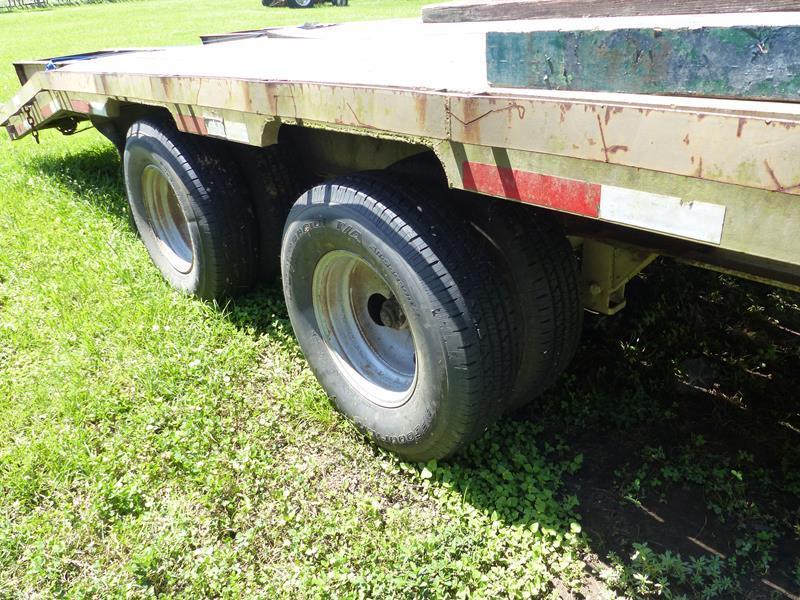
(311,233)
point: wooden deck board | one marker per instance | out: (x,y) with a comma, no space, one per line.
(761,63)
(503,10)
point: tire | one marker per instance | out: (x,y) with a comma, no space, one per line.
(538,265)
(419,356)
(191,208)
(273,189)
(300,3)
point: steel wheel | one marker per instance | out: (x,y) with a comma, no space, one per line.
(191,207)
(398,313)
(167,219)
(364,328)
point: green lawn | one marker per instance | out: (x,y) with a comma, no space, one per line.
(152,444)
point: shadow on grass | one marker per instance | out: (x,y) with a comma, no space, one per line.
(94,175)
(683,410)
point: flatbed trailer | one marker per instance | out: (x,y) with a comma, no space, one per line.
(465,189)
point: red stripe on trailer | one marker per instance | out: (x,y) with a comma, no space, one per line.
(569,195)
(192,124)
(80,106)
(47,111)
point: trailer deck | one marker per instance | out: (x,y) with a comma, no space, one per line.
(717,172)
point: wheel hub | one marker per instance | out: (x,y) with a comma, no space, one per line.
(365,328)
(167,219)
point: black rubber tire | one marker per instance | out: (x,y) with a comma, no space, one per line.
(214,199)
(448,289)
(531,251)
(273,189)
(300,3)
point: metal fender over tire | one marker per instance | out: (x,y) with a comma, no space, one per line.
(191,209)
(399,312)
(538,265)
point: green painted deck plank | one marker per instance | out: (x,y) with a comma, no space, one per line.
(731,62)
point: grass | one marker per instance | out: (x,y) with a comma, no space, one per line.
(153,444)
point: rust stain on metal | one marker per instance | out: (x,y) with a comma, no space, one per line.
(686,139)
(772,175)
(468,120)
(421,107)
(617,148)
(104,83)
(742,123)
(166,87)
(355,116)
(603,137)
(563,109)
(699,172)
(610,110)
(779,187)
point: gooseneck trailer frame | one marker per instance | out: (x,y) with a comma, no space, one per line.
(448,174)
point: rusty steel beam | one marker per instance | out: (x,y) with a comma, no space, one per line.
(719,173)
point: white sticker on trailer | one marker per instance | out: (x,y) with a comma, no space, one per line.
(215,127)
(700,221)
(236,131)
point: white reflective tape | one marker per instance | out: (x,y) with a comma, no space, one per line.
(215,127)
(665,214)
(236,131)
(99,108)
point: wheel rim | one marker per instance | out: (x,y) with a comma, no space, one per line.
(167,219)
(364,328)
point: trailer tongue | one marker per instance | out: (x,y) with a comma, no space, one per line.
(439,169)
